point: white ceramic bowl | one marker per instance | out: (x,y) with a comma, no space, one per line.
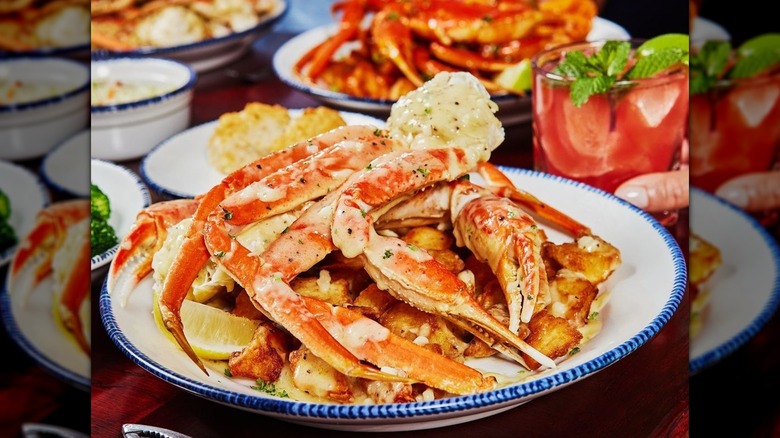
(129,129)
(49,104)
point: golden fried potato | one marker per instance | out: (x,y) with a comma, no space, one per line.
(325,288)
(590,256)
(437,243)
(311,122)
(244,136)
(705,258)
(552,336)
(373,302)
(264,357)
(425,329)
(429,238)
(572,296)
(315,376)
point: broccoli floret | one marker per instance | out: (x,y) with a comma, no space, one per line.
(101,208)
(102,236)
(5,207)
(7,236)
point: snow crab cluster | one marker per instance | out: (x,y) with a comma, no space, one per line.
(385,48)
(485,281)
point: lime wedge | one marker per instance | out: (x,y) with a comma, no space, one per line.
(662,42)
(766,42)
(516,77)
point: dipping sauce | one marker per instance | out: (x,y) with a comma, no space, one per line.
(114,92)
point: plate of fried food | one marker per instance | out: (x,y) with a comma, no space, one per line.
(22,196)
(389,279)
(45,304)
(205,34)
(735,278)
(371,57)
(217,148)
(38,27)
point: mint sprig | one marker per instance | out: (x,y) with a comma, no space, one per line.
(597,73)
(716,60)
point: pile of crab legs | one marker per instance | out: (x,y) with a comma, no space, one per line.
(36,260)
(421,38)
(357,174)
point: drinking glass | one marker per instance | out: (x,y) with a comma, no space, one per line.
(735,130)
(636,127)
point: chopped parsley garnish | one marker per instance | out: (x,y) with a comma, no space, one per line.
(269,388)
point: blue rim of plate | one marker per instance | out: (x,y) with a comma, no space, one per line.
(193,77)
(8,253)
(101,259)
(726,348)
(414,409)
(49,181)
(265,22)
(45,52)
(48,100)
(74,379)
(150,182)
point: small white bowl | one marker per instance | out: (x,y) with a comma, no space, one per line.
(43,101)
(128,129)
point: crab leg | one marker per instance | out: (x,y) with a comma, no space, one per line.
(349,26)
(337,335)
(75,290)
(57,227)
(407,273)
(275,184)
(133,260)
(501,185)
(508,240)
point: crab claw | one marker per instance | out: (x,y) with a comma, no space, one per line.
(415,277)
(133,260)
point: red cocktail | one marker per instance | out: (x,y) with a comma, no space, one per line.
(636,127)
(735,129)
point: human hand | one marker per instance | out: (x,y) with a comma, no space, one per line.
(657,192)
(752,192)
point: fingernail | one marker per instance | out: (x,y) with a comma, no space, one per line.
(738,198)
(636,195)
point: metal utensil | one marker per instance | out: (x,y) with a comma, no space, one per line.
(40,430)
(144,431)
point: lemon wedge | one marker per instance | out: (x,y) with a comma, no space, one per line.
(213,333)
(516,78)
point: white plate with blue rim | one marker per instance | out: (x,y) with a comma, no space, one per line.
(127,196)
(211,53)
(744,290)
(65,168)
(29,321)
(166,173)
(644,292)
(27,195)
(513,109)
